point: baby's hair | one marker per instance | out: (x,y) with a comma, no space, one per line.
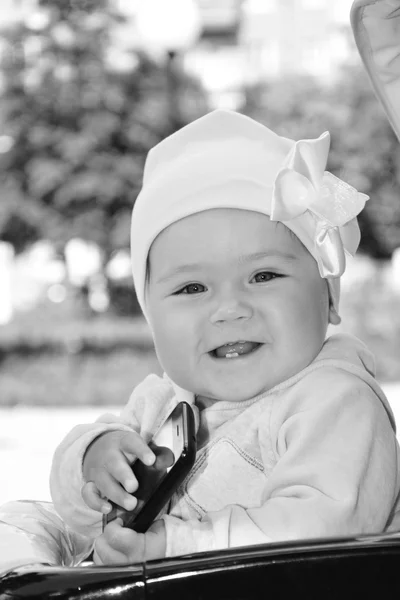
(147,269)
(147,278)
(292,235)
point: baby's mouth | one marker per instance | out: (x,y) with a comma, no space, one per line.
(235,349)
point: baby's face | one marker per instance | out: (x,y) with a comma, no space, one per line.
(223,277)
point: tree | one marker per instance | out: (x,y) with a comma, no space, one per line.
(81,126)
(364,150)
(366,153)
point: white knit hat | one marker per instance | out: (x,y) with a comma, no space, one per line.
(227,160)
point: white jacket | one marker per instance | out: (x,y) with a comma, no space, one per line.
(316,456)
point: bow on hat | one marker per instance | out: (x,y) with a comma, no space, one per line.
(303,185)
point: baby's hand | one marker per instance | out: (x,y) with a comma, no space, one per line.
(119,545)
(107,471)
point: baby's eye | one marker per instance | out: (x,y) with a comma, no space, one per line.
(265,276)
(192,288)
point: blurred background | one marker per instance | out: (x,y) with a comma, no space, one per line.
(87,87)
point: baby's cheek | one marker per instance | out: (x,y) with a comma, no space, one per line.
(174,341)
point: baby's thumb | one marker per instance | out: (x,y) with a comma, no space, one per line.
(94,499)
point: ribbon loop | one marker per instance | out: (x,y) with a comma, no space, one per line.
(292,197)
(330,252)
(302,186)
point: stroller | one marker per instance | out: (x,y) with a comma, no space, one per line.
(41,557)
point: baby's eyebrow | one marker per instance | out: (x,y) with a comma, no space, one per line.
(185,268)
(246,258)
(243,259)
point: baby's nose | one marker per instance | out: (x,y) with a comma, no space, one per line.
(231,309)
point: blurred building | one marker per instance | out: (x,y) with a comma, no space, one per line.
(243,42)
(248,41)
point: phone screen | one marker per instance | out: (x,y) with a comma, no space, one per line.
(175,450)
(171,436)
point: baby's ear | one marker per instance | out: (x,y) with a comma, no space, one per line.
(334,318)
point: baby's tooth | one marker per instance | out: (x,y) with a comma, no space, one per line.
(232,355)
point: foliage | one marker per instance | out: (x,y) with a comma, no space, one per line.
(68,329)
(370,311)
(55,356)
(364,150)
(64,380)
(81,125)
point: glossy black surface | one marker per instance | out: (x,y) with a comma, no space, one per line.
(366,567)
(94,583)
(330,569)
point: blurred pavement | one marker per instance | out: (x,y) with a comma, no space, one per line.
(28,437)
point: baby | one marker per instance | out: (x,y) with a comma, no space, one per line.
(239,239)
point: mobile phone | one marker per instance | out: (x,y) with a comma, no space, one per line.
(175,450)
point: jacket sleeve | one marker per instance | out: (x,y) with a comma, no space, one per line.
(66,477)
(336,472)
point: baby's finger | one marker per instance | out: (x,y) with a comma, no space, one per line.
(165,458)
(122,472)
(93,498)
(132,445)
(124,540)
(105,555)
(113,490)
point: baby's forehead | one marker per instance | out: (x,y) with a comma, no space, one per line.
(230,221)
(225,220)
(219,232)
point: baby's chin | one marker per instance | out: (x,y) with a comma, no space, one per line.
(209,397)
